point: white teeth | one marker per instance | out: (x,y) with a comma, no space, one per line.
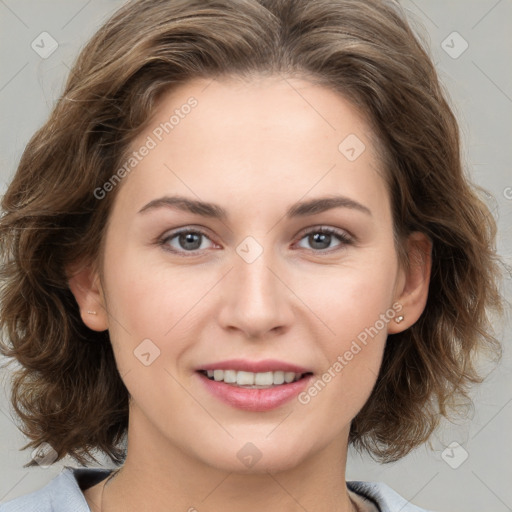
(289,376)
(250,379)
(230,376)
(264,379)
(278,378)
(244,379)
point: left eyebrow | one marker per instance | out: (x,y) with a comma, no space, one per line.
(322,204)
(299,209)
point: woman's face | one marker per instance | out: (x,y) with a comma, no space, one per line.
(252,277)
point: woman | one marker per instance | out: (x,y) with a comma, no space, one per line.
(242,242)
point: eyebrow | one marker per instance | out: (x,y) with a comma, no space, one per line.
(299,209)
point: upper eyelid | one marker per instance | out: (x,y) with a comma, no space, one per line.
(188,229)
(320,227)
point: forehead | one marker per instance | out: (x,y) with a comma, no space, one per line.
(271,138)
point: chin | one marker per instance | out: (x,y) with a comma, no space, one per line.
(255,457)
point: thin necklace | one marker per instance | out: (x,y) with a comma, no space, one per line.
(112,475)
(355,505)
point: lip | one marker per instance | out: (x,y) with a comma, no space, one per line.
(266,365)
(255,400)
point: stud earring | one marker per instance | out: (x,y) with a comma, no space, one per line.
(398,319)
(92,312)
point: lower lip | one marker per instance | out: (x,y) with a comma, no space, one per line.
(257,400)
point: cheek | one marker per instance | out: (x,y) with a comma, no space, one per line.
(356,308)
(348,298)
(155,301)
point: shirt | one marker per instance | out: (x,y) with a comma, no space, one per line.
(64,494)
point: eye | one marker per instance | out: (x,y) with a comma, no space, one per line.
(321,238)
(191,240)
(186,240)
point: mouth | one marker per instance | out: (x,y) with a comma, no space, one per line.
(254,380)
(256,386)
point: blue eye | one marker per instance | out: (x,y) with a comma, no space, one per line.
(187,241)
(320,238)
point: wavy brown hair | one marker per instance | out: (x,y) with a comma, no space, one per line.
(67,390)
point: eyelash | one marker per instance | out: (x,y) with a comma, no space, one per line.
(342,237)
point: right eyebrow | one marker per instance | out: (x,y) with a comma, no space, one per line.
(191,205)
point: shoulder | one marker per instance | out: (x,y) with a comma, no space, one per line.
(61,494)
(383,496)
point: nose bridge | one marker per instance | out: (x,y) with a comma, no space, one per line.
(257,281)
(257,299)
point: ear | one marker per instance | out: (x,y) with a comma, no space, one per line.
(413,283)
(85,284)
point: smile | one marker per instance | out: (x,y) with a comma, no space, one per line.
(250,391)
(251,380)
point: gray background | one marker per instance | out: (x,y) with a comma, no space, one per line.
(479,84)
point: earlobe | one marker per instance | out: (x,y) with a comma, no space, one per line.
(85,285)
(413,292)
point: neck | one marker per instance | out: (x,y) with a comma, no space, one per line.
(159,476)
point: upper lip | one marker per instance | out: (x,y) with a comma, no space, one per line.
(266,365)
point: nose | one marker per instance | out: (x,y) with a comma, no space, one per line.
(255,299)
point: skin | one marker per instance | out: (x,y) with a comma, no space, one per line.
(254,148)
